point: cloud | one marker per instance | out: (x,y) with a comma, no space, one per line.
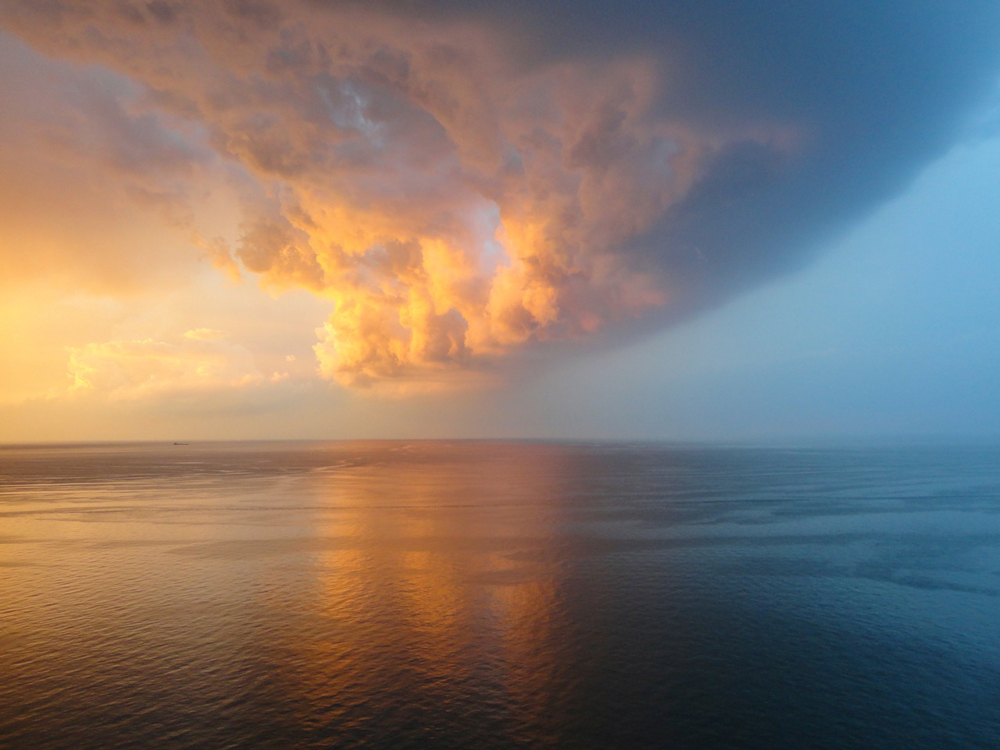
(466,185)
(218,252)
(201,362)
(206,334)
(97,192)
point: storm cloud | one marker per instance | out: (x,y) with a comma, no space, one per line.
(466,182)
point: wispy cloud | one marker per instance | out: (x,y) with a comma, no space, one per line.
(201,361)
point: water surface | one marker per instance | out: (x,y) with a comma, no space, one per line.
(498,595)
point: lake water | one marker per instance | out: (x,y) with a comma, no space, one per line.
(498,595)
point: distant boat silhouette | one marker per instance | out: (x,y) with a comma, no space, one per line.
(180,443)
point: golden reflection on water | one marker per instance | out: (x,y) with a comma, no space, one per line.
(428,579)
(344,591)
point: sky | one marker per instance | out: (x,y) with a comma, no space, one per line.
(712,220)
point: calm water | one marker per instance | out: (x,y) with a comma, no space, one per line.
(498,595)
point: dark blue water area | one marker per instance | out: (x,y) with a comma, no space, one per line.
(498,595)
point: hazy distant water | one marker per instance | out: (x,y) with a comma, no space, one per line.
(497,595)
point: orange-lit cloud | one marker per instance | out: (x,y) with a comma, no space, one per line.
(454,202)
(201,361)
